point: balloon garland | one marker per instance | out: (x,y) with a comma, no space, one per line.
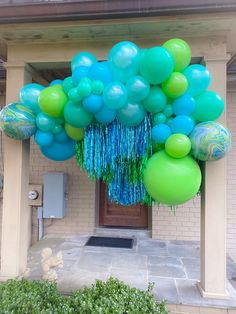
(139,121)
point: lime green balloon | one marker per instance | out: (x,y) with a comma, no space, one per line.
(178,145)
(175,86)
(180,51)
(170,180)
(209,106)
(52,101)
(155,101)
(76,134)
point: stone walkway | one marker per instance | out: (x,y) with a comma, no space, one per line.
(173,267)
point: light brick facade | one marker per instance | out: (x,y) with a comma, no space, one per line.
(82,200)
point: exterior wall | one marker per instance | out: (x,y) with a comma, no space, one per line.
(2,102)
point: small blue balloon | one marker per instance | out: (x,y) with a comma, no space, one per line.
(115,95)
(100,71)
(79,73)
(29,95)
(56,82)
(43,138)
(138,88)
(61,137)
(198,78)
(59,151)
(85,59)
(105,115)
(184,105)
(182,124)
(93,103)
(160,133)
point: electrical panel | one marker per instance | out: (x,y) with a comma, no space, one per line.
(54,195)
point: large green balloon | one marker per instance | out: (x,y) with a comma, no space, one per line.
(52,101)
(156,65)
(209,106)
(175,86)
(171,181)
(76,115)
(180,51)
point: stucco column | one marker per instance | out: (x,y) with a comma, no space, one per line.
(16,217)
(213,206)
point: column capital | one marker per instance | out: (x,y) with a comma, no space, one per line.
(217,59)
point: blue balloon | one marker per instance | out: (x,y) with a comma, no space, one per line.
(184,105)
(29,95)
(85,59)
(62,136)
(182,124)
(56,82)
(105,115)
(93,103)
(43,138)
(115,95)
(100,71)
(79,73)
(198,78)
(59,151)
(160,133)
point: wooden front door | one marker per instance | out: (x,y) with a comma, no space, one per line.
(112,214)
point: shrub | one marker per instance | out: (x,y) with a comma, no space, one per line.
(111,297)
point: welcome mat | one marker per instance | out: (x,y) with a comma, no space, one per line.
(124,243)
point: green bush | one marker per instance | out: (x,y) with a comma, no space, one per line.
(111,297)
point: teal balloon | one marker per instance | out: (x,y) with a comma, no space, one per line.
(159,118)
(76,115)
(131,115)
(210,141)
(209,106)
(93,103)
(160,133)
(43,138)
(17,121)
(156,65)
(56,82)
(182,124)
(59,151)
(29,95)
(67,84)
(155,101)
(74,95)
(105,115)
(115,95)
(44,122)
(85,59)
(138,88)
(57,128)
(61,136)
(198,78)
(124,59)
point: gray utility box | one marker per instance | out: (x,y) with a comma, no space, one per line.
(54,194)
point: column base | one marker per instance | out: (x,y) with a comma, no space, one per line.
(212,295)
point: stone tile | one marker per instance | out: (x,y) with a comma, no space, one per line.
(192,267)
(157,260)
(95,262)
(164,289)
(188,292)
(72,253)
(184,250)
(171,271)
(137,278)
(129,261)
(152,247)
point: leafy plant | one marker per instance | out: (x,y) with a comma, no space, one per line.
(111,297)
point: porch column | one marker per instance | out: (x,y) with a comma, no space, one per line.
(213,206)
(16,216)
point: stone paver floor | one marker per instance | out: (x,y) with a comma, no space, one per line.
(173,267)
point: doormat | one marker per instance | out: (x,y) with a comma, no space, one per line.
(124,243)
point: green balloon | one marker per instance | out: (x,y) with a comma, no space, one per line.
(76,115)
(159,118)
(67,84)
(178,145)
(52,101)
(57,129)
(97,87)
(155,101)
(171,181)
(156,65)
(84,88)
(175,86)
(168,111)
(180,51)
(76,134)
(209,106)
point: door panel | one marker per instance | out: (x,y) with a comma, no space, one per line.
(112,214)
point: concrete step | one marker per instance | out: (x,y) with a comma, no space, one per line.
(123,233)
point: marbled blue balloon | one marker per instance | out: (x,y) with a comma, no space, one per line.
(17,121)
(210,141)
